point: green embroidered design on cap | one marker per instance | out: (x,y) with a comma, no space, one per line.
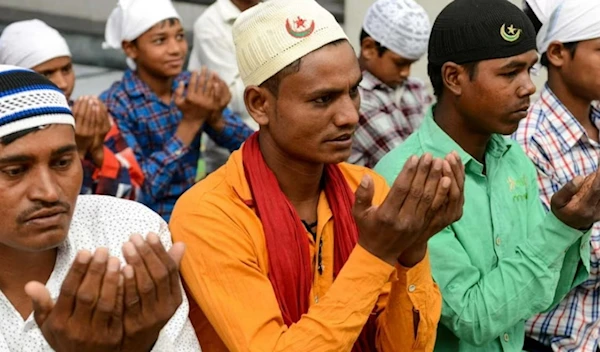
(510,33)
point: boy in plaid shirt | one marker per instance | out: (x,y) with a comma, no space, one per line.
(395,35)
(161,110)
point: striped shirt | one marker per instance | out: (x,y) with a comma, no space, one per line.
(387,117)
(560,148)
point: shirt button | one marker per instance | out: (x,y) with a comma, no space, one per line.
(498,241)
(506,338)
(412,288)
(178,152)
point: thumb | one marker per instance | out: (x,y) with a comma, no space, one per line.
(176,252)
(566,193)
(363,196)
(42,302)
(178,94)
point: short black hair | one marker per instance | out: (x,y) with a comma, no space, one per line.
(6,140)
(572,47)
(273,83)
(437,82)
(380,49)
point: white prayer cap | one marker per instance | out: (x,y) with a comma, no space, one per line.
(566,21)
(30,43)
(273,34)
(132,18)
(29,100)
(401,26)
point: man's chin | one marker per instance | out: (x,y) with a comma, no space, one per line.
(41,242)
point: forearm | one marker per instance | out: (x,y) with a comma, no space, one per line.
(233,131)
(480,307)
(160,167)
(187,131)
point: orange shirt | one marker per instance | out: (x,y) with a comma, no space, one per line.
(225,268)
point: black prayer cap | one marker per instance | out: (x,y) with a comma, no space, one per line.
(475,30)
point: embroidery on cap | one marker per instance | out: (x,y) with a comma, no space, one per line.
(299,29)
(510,33)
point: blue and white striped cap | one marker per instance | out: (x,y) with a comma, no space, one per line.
(29,100)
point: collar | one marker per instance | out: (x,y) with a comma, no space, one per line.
(370,82)
(136,88)
(439,143)
(236,176)
(229,12)
(565,125)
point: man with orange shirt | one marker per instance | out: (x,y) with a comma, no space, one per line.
(291,249)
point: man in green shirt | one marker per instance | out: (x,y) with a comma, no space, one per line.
(505,259)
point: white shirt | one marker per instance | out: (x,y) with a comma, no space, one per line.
(98,221)
(214,48)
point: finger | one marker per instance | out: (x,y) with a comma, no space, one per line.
(89,291)
(429,189)
(210,85)
(397,194)
(363,197)
(120,302)
(116,324)
(76,109)
(86,120)
(132,302)
(42,302)
(193,83)
(441,194)
(170,260)
(145,285)
(178,94)
(204,75)
(65,304)
(107,300)
(455,196)
(157,270)
(564,195)
(417,188)
(458,169)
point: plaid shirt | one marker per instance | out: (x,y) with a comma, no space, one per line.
(149,127)
(120,175)
(387,117)
(560,148)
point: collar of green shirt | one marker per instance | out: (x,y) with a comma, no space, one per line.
(435,140)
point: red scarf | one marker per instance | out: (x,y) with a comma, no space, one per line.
(290,270)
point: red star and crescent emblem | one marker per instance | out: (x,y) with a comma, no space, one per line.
(297,28)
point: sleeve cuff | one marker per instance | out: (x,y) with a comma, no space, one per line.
(551,239)
(176,149)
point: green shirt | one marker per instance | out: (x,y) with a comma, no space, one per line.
(505,259)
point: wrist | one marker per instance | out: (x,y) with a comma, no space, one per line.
(413,255)
(97,156)
(216,121)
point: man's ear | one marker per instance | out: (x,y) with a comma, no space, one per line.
(453,77)
(259,103)
(557,54)
(131,50)
(368,49)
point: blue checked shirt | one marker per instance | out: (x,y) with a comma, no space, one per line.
(561,149)
(149,127)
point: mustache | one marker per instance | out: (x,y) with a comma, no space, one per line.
(26,214)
